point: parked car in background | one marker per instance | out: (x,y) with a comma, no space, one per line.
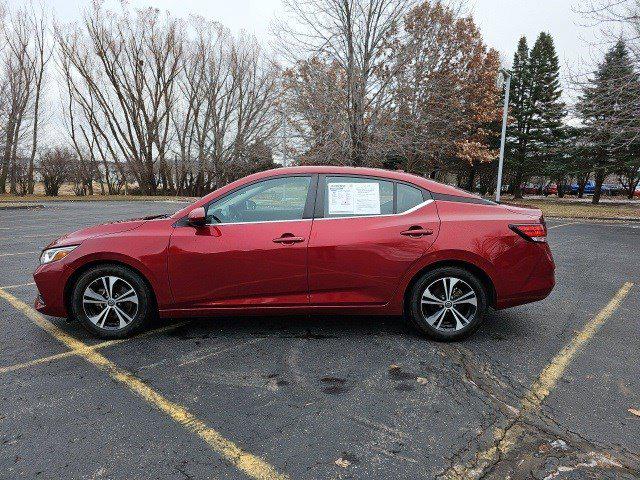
(305,240)
(531,189)
(589,188)
(609,189)
(612,189)
(552,189)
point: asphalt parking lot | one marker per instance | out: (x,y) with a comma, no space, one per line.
(541,391)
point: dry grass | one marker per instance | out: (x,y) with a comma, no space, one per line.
(574,209)
(92,198)
(67,194)
(551,207)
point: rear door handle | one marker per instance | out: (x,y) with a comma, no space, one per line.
(416,231)
(288,239)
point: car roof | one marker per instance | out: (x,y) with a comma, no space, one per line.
(398,175)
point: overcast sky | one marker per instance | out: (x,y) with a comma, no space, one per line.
(502,22)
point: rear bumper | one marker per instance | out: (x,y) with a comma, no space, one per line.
(538,284)
(529,297)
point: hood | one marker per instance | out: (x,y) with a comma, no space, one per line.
(79,236)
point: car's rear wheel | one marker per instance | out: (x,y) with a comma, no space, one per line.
(111,301)
(447,303)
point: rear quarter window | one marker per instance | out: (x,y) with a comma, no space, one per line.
(408,197)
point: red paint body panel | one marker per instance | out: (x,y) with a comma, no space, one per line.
(360,260)
(144,247)
(352,265)
(239,265)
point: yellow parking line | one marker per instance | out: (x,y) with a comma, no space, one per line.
(17,253)
(507,438)
(549,377)
(251,465)
(18,285)
(71,353)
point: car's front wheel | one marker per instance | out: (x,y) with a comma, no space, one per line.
(447,303)
(111,301)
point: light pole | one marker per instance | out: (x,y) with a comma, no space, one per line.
(504,78)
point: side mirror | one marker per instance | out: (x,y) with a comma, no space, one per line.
(197,217)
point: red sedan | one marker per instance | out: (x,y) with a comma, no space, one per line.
(305,240)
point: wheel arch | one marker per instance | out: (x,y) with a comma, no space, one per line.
(100,262)
(482,275)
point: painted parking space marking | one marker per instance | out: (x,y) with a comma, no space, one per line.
(98,346)
(21,227)
(507,437)
(18,285)
(249,464)
(17,253)
(18,237)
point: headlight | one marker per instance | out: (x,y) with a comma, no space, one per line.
(54,254)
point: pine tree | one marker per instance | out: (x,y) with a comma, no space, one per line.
(548,110)
(537,109)
(519,109)
(608,105)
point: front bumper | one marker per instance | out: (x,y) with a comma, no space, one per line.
(51,279)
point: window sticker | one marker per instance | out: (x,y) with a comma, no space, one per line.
(354,198)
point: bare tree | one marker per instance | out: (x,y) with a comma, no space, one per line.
(23,66)
(444,92)
(41,56)
(313,107)
(352,35)
(20,79)
(227,106)
(122,71)
(56,167)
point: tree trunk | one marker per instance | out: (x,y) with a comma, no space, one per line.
(12,174)
(600,174)
(560,182)
(6,157)
(517,185)
(471,178)
(581,184)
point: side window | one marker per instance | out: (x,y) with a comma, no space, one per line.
(269,200)
(408,197)
(354,196)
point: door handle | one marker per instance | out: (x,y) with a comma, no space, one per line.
(416,231)
(288,239)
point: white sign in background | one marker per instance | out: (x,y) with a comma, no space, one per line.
(354,198)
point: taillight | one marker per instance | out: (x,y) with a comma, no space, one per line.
(534,232)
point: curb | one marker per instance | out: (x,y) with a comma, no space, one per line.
(21,206)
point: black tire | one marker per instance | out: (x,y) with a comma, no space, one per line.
(145,308)
(414,307)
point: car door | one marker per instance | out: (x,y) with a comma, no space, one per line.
(251,252)
(366,235)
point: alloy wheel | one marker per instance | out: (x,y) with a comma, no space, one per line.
(449,304)
(110,302)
